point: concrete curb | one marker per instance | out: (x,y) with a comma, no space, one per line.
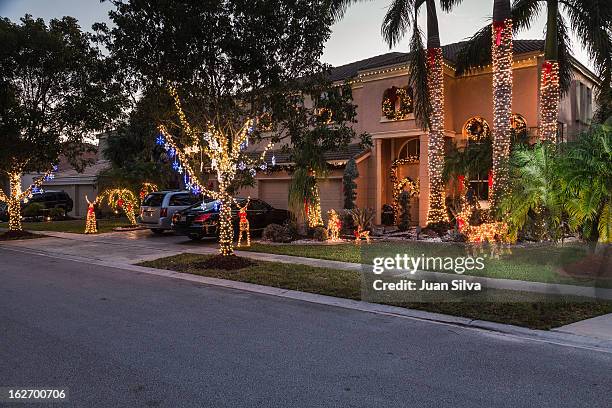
(550,337)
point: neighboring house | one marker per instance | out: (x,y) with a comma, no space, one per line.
(468,105)
(76,184)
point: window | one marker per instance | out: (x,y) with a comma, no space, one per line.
(476,130)
(519,129)
(183,199)
(154,200)
(410,149)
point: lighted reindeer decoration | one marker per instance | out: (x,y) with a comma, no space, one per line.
(244,226)
(494,233)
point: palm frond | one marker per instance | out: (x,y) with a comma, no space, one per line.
(417,80)
(524,13)
(339,7)
(476,52)
(396,21)
(448,5)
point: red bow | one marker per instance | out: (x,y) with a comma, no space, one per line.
(490,179)
(461,180)
(460,224)
(499,27)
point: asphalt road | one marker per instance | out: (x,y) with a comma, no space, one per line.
(116,338)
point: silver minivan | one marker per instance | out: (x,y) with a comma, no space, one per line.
(158,208)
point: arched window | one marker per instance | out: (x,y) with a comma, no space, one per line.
(476,130)
(410,150)
(519,128)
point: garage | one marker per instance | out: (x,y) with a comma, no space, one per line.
(274,192)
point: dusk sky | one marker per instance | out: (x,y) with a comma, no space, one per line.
(356,37)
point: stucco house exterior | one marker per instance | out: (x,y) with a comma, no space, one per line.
(468,109)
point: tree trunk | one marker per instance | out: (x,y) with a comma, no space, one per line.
(14,203)
(549,77)
(226,226)
(502,98)
(435,83)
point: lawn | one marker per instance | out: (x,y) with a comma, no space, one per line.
(75,226)
(538,263)
(522,309)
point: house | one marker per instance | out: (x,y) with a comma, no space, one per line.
(76,184)
(399,151)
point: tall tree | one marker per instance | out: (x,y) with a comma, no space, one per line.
(427,81)
(501,53)
(55,90)
(229,62)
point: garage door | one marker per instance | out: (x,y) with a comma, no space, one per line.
(330,191)
(274,192)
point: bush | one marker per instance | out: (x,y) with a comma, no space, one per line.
(319,233)
(292,228)
(440,228)
(404,218)
(33,210)
(348,225)
(276,233)
(57,213)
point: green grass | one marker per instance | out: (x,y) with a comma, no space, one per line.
(75,226)
(518,308)
(542,263)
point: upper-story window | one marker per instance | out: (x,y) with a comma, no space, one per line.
(582,102)
(476,130)
(397,103)
(410,150)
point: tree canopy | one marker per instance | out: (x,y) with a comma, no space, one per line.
(55,90)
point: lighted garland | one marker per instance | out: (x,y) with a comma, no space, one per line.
(122,199)
(502,107)
(549,101)
(400,184)
(477,130)
(435,150)
(391,96)
(226,158)
(146,189)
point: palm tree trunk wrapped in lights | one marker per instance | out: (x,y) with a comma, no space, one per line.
(549,78)
(427,81)
(16,195)
(502,97)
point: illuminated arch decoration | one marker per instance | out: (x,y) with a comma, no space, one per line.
(400,184)
(146,189)
(124,199)
(477,130)
(397,103)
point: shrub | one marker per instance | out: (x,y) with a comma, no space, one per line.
(349,185)
(292,228)
(57,213)
(276,233)
(363,218)
(33,210)
(440,228)
(319,233)
(348,225)
(404,219)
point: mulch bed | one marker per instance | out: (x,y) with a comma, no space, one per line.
(15,235)
(227,263)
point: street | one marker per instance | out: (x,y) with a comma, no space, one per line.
(120,338)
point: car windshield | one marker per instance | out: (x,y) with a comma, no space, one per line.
(154,200)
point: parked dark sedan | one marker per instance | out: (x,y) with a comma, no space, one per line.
(201,220)
(47,201)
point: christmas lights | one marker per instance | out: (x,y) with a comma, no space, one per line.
(148,188)
(549,101)
(399,185)
(397,103)
(16,195)
(435,148)
(361,234)
(313,209)
(334,226)
(225,153)
(244,225)
(91,224)
(121,198)
(502,107)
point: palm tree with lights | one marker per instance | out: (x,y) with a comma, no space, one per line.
(427,82)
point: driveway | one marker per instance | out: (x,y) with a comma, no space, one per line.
(122,338)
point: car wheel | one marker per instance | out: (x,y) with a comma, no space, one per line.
(157,231)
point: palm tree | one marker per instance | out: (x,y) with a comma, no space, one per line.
(586,171)
(501,53)
(427,82)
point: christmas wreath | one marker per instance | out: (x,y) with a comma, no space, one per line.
(391,96)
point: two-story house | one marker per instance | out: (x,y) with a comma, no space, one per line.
(399,151)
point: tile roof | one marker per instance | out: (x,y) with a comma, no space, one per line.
(449,51)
